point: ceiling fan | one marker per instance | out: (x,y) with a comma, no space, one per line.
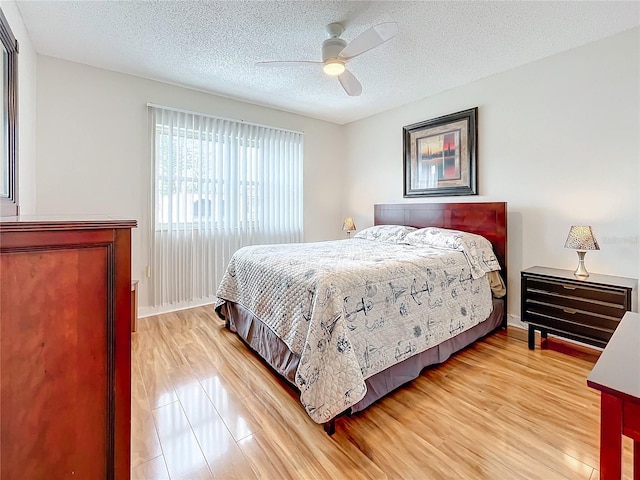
(336,52)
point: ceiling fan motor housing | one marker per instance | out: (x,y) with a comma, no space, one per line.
(332,47)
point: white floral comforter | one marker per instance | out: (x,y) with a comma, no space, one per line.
(351,308)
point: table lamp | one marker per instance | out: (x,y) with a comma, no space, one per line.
(581,238)
(349,226)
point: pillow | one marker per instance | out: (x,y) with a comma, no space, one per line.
(476,248)
(385,233)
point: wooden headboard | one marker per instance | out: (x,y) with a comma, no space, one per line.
(488,219)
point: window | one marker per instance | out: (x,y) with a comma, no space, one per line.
(9,108)
(219,185)
(191,189)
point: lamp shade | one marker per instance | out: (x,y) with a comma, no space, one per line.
(581,238)
(348,224)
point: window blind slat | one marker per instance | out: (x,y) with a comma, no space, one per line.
(218,185)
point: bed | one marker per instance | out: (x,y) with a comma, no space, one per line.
(346,322)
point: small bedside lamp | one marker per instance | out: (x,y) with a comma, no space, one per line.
(349,226)
(581,238)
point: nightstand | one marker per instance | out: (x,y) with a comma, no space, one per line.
(586,310)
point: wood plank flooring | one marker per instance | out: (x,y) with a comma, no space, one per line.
(204,407)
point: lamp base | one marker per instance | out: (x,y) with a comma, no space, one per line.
(581,271)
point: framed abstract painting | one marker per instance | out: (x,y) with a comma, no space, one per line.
(440,156)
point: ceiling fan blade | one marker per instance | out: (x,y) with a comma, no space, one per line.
(287,63)
(350,83)
(369,39)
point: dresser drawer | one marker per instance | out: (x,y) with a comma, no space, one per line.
(611,296)
(575,328)
(570,304)
(582,317)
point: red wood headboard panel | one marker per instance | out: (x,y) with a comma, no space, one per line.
(488,219)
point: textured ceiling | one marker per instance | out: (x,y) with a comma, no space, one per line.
(214,45)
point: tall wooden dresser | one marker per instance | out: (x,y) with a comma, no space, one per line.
(65,348)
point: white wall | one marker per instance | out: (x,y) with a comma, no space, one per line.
(93,149)
(26,110)
(559,140)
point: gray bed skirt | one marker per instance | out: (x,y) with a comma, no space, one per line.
(263,341)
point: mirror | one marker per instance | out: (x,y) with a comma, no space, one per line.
(9,129)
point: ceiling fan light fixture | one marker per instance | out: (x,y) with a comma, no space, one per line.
(336,52)
(333,67)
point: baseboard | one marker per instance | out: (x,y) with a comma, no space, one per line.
(174,307)
(514,321)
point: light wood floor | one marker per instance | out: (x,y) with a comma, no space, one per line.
(204,407)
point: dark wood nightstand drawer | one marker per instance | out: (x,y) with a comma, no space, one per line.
(553,323)
(572,305)
(574,315)
(577,291)
(584,309)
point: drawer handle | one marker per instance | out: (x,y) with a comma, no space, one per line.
(569,310)
(569,287)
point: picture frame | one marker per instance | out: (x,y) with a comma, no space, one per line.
(440,156)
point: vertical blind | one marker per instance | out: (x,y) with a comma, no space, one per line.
(219,185)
